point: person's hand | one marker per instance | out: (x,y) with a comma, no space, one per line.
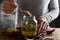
(42,25)
(9,6)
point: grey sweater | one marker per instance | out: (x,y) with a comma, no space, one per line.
(38,8)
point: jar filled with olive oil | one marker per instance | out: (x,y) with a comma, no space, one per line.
(29,26)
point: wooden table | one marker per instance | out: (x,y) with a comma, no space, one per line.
(55,35)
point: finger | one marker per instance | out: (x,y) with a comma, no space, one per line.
(8,11)
(5,3)
(8,5)
(44,26)
(40,27)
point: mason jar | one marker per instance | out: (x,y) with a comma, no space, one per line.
(29,26)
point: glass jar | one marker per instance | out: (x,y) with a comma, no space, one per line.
(29,26)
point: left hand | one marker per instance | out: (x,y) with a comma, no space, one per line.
(42,25)
(9,6)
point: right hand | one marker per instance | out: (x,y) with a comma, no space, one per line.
(42,25)
(9,6)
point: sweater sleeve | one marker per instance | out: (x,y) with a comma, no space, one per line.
(53,13)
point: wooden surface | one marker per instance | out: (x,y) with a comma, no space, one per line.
(55,35)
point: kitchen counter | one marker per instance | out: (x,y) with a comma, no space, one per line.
(55,35)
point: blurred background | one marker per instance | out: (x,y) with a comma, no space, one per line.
(54,23)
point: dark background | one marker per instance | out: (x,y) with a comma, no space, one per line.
(54,23)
